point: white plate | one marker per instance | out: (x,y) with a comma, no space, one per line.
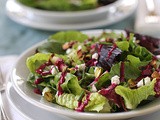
(61,17)
(117,14)
(28,111)
(19,77)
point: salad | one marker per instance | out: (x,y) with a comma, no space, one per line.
(108,73)
(66,5)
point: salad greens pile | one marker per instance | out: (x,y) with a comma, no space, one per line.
(107,73)
(65,5)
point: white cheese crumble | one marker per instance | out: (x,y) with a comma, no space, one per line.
(102,39)
(81,66)
(79,47)
(54,70)
(95,56)
(69,50)
(46,89)
(93,88)
(145,81)
(115,80)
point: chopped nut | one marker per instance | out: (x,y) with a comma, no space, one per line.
(154,63)
(98,71)
(156,75)
(66,46)
(79,53)
(131,83)
(48,96)
(72,70)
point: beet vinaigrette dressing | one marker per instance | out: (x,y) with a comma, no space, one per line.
(122,71)
(81,105)
(110,52)
(61,81)
(41,71)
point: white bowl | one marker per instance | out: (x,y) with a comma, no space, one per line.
(68,17)
(19,80)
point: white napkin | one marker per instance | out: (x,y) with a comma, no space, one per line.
(7,62)
(152,29)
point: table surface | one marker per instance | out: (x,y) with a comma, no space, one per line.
(16,38)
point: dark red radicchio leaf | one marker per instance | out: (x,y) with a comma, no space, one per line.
(157,88)
(147,70)
(107,56)
(151,43)
(111,95)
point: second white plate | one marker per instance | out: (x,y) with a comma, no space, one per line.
(18,15)
(26,110)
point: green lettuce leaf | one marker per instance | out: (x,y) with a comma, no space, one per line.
(71,85)
(33,62)
(86,80)
(123,45)
(131,71)
(98,103)
(136,61)
(103,80)
(61,5)
(66,36)
(67,100)
(142,53)
(133,97)
(51,47)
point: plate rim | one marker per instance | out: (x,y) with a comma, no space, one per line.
(22,113)
(8,87)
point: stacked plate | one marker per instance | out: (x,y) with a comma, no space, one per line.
(33,106)
(51,20)
(20,109)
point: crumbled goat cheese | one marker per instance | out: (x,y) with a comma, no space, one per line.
(69,50)
(102,39)
(54,70)
(81,66)
(95,56)
(115,80)
(93,88)
(79,47)
(144,81)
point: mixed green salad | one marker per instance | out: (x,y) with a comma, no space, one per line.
(108,73)
(66,5)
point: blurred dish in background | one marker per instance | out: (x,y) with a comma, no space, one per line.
(66,5)
(48,20)
(62,17)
